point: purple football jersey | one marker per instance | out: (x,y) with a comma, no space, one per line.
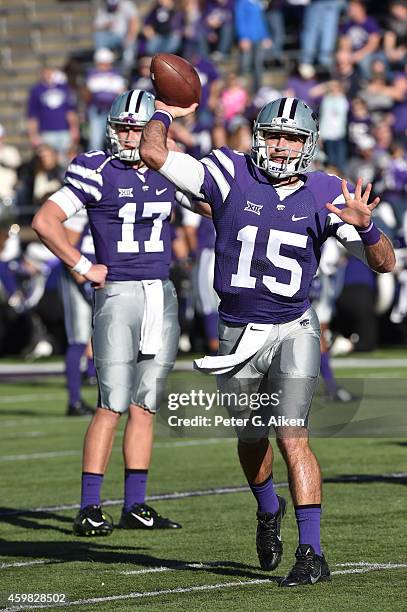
(267,248)
(129,213)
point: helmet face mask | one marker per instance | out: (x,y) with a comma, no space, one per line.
(132,109)
(286,116)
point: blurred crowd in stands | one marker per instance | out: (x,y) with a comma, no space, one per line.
(346,59)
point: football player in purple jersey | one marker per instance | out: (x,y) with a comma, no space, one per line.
(271,219)
(135,314)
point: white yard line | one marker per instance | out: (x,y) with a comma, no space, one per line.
(158,497)
(32,397)
(368,567)
(27,563)
(46,455)
(55,454)
(364,568)
(360,568)
(195,493)
(22,434)
(10,369)
(26,422)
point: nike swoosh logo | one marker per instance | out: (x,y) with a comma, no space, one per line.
(160,191)
(147,522)
(314,580)
(255,329)
(94,523)
(294,218)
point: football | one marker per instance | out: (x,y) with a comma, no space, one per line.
(175,80)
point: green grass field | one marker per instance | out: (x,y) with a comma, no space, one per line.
(211,563)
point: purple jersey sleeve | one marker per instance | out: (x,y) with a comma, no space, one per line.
(83,177)
(221,170)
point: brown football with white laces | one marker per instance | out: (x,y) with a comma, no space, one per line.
(175,80)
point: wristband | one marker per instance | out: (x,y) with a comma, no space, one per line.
(370,235)
(164,116)
(82,266)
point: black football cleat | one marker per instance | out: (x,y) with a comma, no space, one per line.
(92,521)
(268,540)
(79,408)
(141,516)
(309,568)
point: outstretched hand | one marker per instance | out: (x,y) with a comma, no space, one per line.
(357,211)
(176,111)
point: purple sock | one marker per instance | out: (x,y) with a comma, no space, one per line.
(91,485)
(90,368)
(327,373)
(309,523)
(73,371)
(135,484)
(267,500)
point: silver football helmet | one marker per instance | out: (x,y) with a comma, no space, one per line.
(135,107)
(285,115)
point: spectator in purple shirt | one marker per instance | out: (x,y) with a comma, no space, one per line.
(163,28)
(103,85)
(360,34)
(211,84)
(193,28)
(51,113)
(218,20)
(306,88)
(359,122)
(395,178)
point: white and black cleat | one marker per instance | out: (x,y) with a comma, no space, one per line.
(142,516)
(309,568)
(92,521)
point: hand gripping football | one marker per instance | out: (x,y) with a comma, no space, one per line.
(175,80)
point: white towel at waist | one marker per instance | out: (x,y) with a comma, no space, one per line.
(152,324)
(254,337)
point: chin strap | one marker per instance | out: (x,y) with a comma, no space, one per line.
(103,164)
